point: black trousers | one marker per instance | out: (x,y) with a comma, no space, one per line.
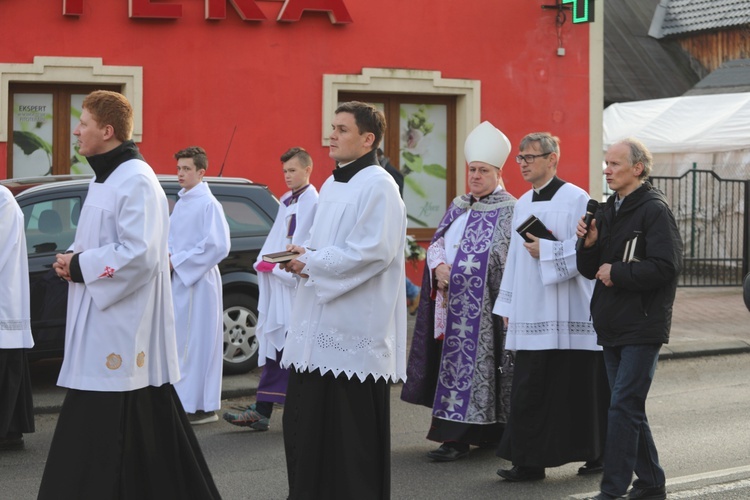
(16,403)
(125,445)
(337,437)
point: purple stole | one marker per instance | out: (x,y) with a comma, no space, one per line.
(465,294)
(292,223)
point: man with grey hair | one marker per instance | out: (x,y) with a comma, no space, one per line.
(558,402)
(634,252)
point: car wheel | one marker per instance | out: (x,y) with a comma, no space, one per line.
(240,343)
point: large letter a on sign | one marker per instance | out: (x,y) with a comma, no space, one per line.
(292,10)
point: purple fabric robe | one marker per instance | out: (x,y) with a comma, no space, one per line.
(432,372)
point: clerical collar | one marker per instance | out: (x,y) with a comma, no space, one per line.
(547,192)
(295,195)
(106,163)
(345,173)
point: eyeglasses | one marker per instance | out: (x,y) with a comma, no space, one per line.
(530,158)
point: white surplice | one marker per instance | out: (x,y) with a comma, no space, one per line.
(349,316)
(15,321)
(276,288)
(198,241)
(546,300)
(119,334)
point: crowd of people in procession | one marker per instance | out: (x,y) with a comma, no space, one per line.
(538,326)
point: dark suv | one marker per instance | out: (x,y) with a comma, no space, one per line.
(51,206)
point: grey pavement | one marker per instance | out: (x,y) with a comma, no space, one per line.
(707,321)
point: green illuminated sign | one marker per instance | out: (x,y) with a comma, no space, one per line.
(583,10)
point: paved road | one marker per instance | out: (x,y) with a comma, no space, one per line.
(698,425)
(698,408)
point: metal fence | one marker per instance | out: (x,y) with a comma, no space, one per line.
(712,215)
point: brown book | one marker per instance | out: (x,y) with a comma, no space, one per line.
(277,257)
(536,227)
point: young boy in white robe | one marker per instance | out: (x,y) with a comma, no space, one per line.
(198,241)
(277,287)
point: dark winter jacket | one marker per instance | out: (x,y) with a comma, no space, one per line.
(638,308)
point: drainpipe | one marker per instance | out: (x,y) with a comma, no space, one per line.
(657,22)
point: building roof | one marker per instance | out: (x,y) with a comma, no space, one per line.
(674,17)
(730,77)
(637,66)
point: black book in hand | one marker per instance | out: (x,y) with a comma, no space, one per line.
(277,257)
(536,227)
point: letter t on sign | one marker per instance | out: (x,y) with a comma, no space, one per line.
(292,10)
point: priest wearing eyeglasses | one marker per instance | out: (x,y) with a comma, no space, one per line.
(559,397)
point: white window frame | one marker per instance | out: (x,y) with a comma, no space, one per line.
(74,70)
(406,81)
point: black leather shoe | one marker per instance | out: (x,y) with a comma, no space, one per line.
(655,493)
(590,467)
(519,473)
(448,453)
(13,441)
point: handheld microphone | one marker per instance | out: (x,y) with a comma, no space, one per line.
(591,207)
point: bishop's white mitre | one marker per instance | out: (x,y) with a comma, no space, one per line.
(486,143)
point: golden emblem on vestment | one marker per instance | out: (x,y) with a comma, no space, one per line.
(140,359)
(114,361)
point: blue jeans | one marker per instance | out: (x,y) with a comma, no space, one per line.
(412,290)
(630,446)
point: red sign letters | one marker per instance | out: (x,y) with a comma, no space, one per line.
(248,10)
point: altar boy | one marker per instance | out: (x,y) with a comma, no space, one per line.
(277,287)
(198,241)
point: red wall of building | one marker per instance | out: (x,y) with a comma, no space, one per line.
(202,78)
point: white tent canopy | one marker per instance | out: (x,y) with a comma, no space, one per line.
(687,124)
(710,130)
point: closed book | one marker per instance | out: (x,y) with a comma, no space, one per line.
(277,257)
(632,251)
(536,227)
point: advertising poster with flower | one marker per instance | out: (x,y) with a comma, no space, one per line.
(423,148)
(32,135)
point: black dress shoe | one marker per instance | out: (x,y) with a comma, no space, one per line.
(519,473)
(13,441)
(591,467)
(655,493)
(448,452)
